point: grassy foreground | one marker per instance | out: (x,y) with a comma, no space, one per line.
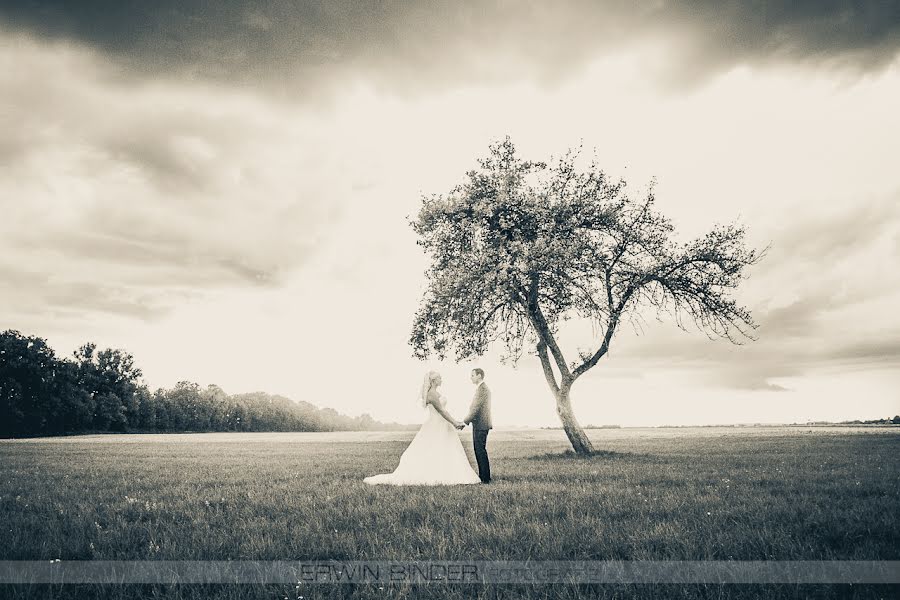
(720,494)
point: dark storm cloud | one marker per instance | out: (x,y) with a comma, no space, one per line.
(300,46)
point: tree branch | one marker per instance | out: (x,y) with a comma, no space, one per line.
(543,330)
(586,292)
(548,369)
(607,338)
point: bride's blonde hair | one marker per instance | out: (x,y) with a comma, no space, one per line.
(426,387)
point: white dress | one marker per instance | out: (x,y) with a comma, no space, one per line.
(434,457)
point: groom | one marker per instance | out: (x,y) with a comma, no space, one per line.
(480,418)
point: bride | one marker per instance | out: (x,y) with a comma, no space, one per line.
(435,456)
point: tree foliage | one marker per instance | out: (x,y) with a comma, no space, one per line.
(98,391)
(522,246)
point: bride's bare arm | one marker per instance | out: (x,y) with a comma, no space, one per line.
(436,403)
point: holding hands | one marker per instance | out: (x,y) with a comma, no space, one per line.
(460,425)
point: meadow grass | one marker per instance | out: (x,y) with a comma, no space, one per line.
(711,494)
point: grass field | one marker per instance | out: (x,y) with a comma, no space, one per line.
(655,494)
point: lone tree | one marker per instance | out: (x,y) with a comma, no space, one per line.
(521,246)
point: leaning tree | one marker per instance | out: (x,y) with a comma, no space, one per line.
(521,246)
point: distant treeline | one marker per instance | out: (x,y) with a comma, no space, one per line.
(101,391)
(895,420)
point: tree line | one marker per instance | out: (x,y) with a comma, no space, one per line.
(102,391)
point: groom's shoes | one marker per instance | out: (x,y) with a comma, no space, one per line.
(485,481)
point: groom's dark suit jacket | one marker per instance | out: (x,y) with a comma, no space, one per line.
(480,411)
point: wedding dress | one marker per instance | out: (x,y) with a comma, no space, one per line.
(434,457)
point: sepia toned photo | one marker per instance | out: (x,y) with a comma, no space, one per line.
(402,299)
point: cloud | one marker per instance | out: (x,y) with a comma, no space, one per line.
(825,236)
(822,298)
(883,351)
(127,198)
(300,48)
(713,36)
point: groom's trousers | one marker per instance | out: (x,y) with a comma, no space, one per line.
(479,442)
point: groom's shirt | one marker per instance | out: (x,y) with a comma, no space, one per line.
(480,411)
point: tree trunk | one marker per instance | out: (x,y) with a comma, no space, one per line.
(577,437)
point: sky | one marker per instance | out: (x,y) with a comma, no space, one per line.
(222,190)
